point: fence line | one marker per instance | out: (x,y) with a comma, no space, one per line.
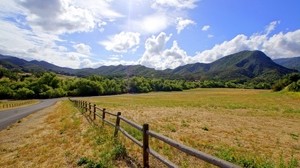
(87,107)
(13,104)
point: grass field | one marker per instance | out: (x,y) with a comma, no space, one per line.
(256,128)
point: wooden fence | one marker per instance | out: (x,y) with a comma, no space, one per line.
(14,104)
(94,111)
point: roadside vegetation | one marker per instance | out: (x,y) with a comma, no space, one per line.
(60,136)
(17,85)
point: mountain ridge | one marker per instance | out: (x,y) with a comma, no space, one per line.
(292,63)
(244,65)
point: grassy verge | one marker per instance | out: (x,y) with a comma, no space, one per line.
(63,137)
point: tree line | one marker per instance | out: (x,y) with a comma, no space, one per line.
(290,82)
(19,85)
(16,85)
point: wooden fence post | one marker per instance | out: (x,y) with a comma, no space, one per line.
(117,124)
(94,111)
(86,106)
(90,108)
(145,146)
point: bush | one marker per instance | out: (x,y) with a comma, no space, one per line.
(24,93)
(294,87)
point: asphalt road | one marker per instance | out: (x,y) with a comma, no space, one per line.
(8,117)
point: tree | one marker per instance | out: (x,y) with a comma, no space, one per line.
(24,93)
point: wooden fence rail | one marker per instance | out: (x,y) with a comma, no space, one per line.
(87,107)
(14,104)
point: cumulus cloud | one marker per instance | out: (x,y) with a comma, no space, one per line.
(83,48)
(183,23)
(276,46)
(122,42)
(156,56)
(176,4)
(25,44)
(65,16)
(205,27)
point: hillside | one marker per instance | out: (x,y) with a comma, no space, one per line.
(245,65)
(292,63)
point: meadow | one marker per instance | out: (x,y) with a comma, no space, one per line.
(252,128)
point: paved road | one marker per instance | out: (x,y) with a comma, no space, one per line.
(8,117)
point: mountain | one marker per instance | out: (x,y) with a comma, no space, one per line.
(15,63)
(292,63)
(244,65)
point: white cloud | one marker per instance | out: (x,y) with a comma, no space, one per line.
(182,23)
(83,48)
(122,42)
(152,24)
(66,16)
(205,27)
(156,56)
(176,4)
(278,45)
(269,28)
(86,63)
(24,43)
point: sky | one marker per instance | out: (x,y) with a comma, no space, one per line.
(158,34)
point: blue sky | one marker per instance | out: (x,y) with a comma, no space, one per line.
(156,33)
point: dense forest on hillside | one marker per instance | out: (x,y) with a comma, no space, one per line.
(19,85)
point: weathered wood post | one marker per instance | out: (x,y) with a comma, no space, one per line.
(86,106)
(103,116)
(94,111)
(117,124)
(90,108)
(145,146)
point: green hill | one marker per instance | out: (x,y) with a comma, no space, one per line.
(292,63)
(244,65)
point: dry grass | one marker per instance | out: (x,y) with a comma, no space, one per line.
(10,104)
(58,136)
(254,127)
(243,126)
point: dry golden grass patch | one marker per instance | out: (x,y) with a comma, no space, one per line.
(243,126)
(58,136)
(11,104)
